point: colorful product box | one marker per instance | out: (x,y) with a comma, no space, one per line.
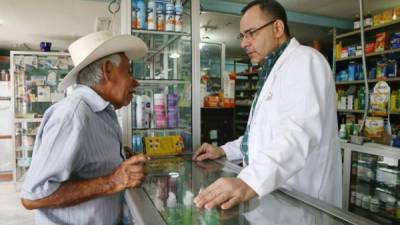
(381,41)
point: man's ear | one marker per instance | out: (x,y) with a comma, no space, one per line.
(279,28)
(106,68)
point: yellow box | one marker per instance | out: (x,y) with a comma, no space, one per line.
(163,145)
(377,19)
(387,15)
(339,50)
(396,13)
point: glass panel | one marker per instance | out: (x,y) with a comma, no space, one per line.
(210,63)
(36,77)
(172,182)
(375,188)
(163,101)
(24,140)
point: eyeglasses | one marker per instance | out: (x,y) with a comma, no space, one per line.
(250,33)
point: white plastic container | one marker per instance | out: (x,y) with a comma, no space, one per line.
(178,16)
(170,16)
(151,15)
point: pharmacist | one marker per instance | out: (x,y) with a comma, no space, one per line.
(77,173)
(291,138)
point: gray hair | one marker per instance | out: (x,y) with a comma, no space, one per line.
(91,75)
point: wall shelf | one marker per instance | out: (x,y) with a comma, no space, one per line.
(368,29)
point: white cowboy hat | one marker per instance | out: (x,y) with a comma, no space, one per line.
(97,45)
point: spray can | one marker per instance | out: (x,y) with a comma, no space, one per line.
(140,14)
(170,16)
(160,16)
(134,15)
(178,16)
(151,15)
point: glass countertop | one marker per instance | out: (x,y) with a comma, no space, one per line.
(172,183)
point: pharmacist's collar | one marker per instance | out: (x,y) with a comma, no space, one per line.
(95,101)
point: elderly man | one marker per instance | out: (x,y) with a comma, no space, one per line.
(77,171)
(291,138)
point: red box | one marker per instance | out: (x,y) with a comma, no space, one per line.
(370,48)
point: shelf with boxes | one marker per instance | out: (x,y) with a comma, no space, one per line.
(245,90)
(382,49)
(34,78)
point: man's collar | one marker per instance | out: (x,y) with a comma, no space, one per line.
(94,100)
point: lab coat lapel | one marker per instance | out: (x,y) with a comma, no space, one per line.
(266,91)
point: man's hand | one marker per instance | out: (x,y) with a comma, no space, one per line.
(130,173)
(207,151)
(225,192)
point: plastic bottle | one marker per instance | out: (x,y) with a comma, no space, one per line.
(160,16)
(356,22)
(151,15)
(140,14)
(171,209)
(178,16)
(134,15)
(342,132)
(187,207)
(368,20)
(170,16)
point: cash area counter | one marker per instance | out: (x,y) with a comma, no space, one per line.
(167,194)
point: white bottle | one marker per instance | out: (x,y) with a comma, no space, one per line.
(171,208)
(160,16)
(178,16)
(342,131)
(151,15)
(134,16)
(170,16)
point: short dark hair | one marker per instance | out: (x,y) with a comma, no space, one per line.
(271,8)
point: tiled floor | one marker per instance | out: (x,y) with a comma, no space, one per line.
(11,210)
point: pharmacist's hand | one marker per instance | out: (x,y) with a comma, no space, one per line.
(207,151)
(225,192)
(130,173)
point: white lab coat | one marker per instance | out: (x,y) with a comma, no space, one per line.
(293,140)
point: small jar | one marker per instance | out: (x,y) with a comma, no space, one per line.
(390,206)
(374,205)
(365,201)
(359,198)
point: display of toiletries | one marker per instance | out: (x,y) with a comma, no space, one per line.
(159,15)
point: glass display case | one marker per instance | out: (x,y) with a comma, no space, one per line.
(212,63)
(371,181)
(34,77)
(375,187)
(167,194)
(162,106)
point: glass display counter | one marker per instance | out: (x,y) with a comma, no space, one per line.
(167,194)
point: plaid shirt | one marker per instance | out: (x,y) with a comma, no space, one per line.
(269,62)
